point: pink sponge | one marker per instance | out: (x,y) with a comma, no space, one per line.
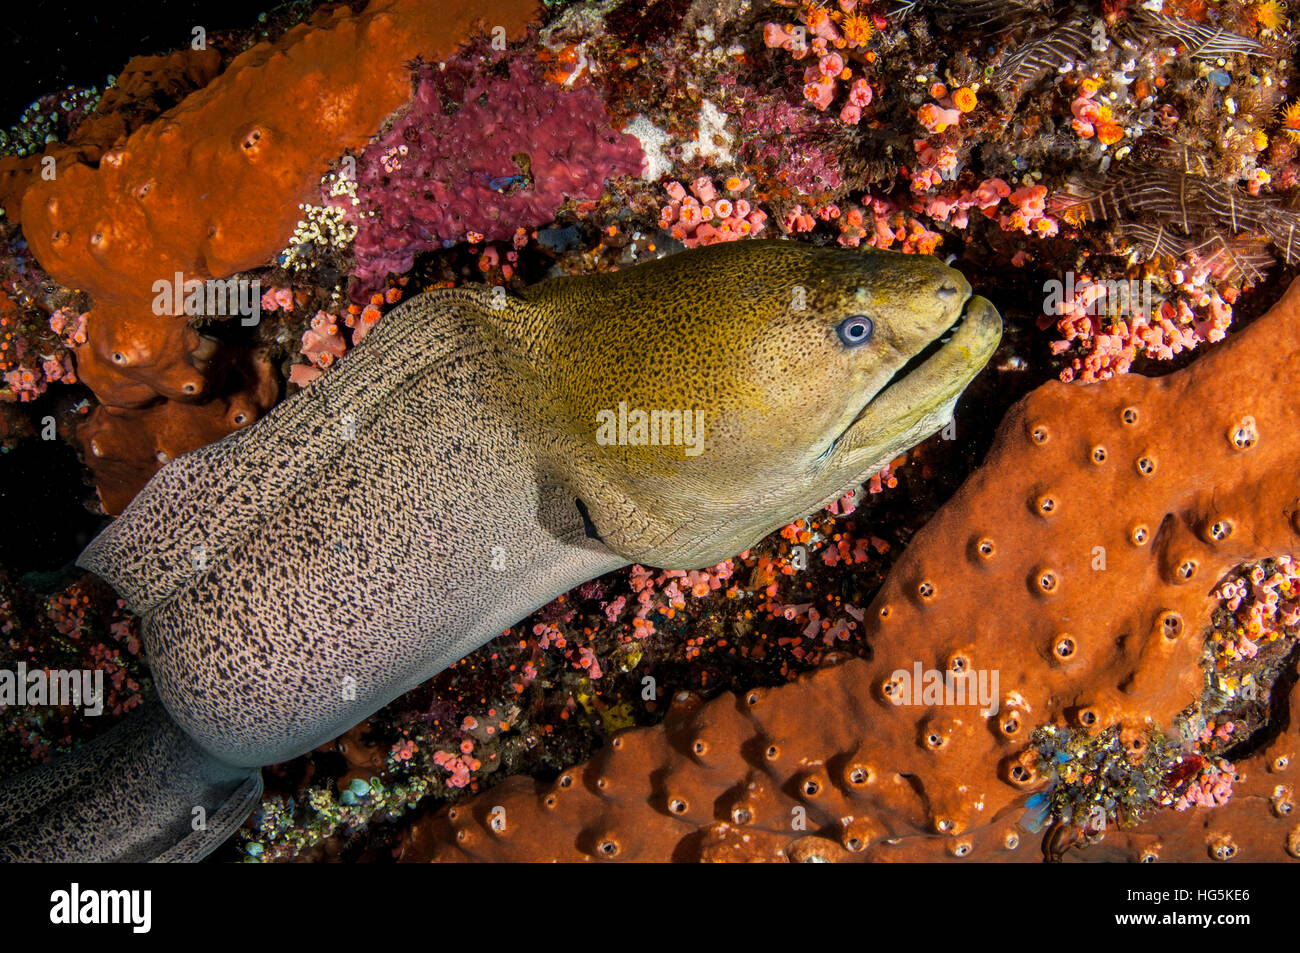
(479,152)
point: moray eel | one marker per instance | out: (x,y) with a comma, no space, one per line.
(477,455)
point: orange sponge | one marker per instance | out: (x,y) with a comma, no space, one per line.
(1078,566)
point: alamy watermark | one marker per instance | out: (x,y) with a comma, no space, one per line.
(213,298)
(86,906)
(1127,298)
(933,688)
(78,688)
(654,428)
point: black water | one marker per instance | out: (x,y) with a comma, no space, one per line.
(55,43)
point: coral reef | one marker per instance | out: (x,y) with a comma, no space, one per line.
(704,216)
(852,759)
(116,441)
(211,188)
(84,124)
(80,625)
(1257,824)
(1145,163)
(479,153)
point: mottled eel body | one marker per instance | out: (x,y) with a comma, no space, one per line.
(446,480)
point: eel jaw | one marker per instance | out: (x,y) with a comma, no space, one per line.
(928,391)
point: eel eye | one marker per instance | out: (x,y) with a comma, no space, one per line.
(856,330)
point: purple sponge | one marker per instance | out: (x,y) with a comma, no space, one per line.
(479,153)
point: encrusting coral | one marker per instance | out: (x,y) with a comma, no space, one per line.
(147,86)
(1073,574)
(116,440)
(1257,824)
(212,187)
(479,154)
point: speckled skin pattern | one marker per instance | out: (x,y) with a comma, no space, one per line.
(746,333)
(348,541)
(107,803)
(414,502)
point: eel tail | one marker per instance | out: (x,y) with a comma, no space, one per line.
(143,791)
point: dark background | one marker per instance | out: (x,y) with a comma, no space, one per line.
(48,44)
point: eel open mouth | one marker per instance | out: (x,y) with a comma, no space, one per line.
(931,379)
(917,360)
(941,370)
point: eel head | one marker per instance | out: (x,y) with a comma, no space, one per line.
(710,397)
